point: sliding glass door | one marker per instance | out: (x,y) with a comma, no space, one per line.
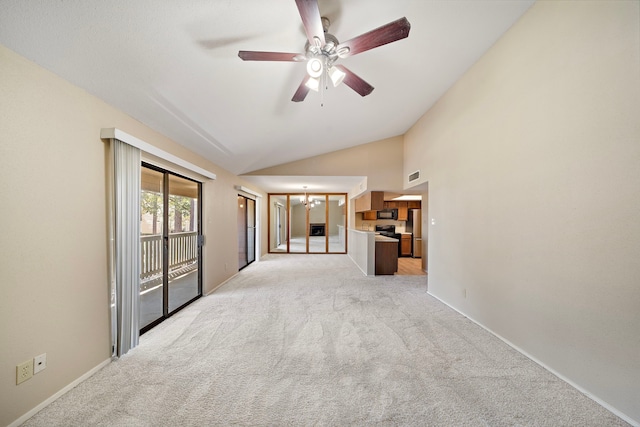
(170,244)
(246,231)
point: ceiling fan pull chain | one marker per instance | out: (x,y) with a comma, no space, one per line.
(323,87)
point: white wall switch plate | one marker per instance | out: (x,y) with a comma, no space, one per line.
(39,363)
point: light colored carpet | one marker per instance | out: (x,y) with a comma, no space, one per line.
(307,340)
(316,244)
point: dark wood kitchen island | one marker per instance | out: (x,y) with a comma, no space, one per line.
(386,255)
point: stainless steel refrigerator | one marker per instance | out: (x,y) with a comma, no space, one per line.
(414,226)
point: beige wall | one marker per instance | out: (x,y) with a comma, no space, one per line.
(298,221)
(336,217)
(381,161)
(533,165)
(53,256)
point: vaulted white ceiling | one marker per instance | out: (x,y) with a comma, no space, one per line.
(174,66)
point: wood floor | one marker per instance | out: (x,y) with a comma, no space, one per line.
(410,267)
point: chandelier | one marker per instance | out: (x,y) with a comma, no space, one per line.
(309,201)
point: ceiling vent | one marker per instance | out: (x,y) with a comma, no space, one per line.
(414,176)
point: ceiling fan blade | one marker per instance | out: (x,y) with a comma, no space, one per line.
(388,33)
(251,55)
(302,91)
(310,14)
(355,82)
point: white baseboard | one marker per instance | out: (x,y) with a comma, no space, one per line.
(596,399)
(220,285)
(354,261)
(57,395)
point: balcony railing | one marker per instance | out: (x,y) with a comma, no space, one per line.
(183,257)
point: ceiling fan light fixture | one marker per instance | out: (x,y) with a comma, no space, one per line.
(322,49)
(313,84)
(336,75)
(315,67)
(343,51)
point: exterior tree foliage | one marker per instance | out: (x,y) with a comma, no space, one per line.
(181,211)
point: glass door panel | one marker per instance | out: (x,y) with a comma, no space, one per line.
(242,232)
(183,268)
(317,230)
(251,231)
(246,231)
(151,262)
(336,223)
(298,223)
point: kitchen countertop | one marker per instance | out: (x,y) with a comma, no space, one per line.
(380,238)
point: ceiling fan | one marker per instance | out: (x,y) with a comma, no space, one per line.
(323,49)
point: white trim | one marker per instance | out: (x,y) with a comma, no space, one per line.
(220,285)
(172,167)
(114,133)
(356,264)
(247,190)
(57,395)
(543,365)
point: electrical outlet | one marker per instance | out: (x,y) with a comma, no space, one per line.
(24,371)
(39,363)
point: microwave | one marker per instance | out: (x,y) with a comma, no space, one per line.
(388,214)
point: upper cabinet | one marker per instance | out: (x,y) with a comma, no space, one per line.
(370,215)
(403,214)
(391,205)
(373,201)
(411,204)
